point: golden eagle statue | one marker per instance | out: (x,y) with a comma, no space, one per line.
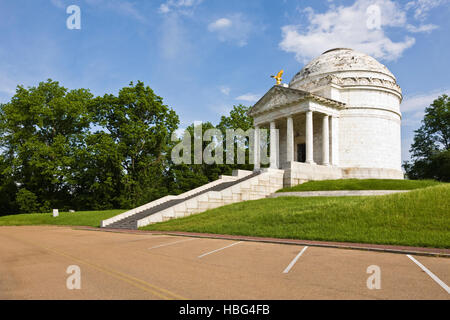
(278,77)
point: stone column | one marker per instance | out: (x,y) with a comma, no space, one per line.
(290,140)
(309,138)
(256,149)
(273,146)
(325,141)
(334,141)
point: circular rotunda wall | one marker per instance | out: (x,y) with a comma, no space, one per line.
(369,126)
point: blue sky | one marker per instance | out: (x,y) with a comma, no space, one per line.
(204,56)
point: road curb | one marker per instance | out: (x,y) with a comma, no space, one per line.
(418,251)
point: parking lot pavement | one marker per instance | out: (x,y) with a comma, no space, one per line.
(345,273)
(31,272)
(440,267)
(34,261)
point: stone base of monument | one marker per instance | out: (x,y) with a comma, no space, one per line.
(296,173)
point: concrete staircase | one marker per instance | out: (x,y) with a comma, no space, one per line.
(242,186)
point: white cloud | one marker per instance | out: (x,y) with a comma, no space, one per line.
(234,29)
(426,28)
(7,86)
(419,102)
(129,9)
(125,8)
(58,3)
(173,41)
(164,8)
(422,7)
(249,97)
(225,90)
(220,108)
(178,5)
(219,24)
(348,27)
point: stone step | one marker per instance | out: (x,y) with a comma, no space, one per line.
(250,187)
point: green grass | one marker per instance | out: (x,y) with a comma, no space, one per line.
(82,218)
(417,218)
(356,184)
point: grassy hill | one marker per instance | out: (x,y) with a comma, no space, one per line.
(417,218)
(84,218)
(356,184)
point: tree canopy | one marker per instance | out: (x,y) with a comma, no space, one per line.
(431,147)
(67,149)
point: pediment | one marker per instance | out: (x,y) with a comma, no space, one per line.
(276,97)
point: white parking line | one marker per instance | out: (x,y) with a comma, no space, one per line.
(208,253)
(293,262)
(171,243)
(439,281)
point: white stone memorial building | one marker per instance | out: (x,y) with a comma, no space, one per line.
(339,117)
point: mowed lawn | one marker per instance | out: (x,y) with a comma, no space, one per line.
(82,218)
(364,184)
(417,218)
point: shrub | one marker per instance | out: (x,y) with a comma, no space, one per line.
(27,201)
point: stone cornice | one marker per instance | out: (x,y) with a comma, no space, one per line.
(352,82)
(279,96)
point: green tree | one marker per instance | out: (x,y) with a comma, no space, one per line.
(66,149)
(430,149)
(185,177)
(140,125)
(188,176)
(98,173)
(42,126)
(8,189)
(70,150)
(238,119)
(27,201)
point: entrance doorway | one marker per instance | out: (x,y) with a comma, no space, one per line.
(301,152)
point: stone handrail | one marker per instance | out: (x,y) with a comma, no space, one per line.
(136,210)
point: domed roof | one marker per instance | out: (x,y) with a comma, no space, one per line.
(342,61)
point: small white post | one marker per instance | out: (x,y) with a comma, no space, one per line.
(55,213)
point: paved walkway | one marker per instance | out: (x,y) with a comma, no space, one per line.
(38,263)
(340,193)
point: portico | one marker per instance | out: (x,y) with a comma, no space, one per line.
(303,129)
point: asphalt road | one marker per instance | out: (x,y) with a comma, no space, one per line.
(34,263)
